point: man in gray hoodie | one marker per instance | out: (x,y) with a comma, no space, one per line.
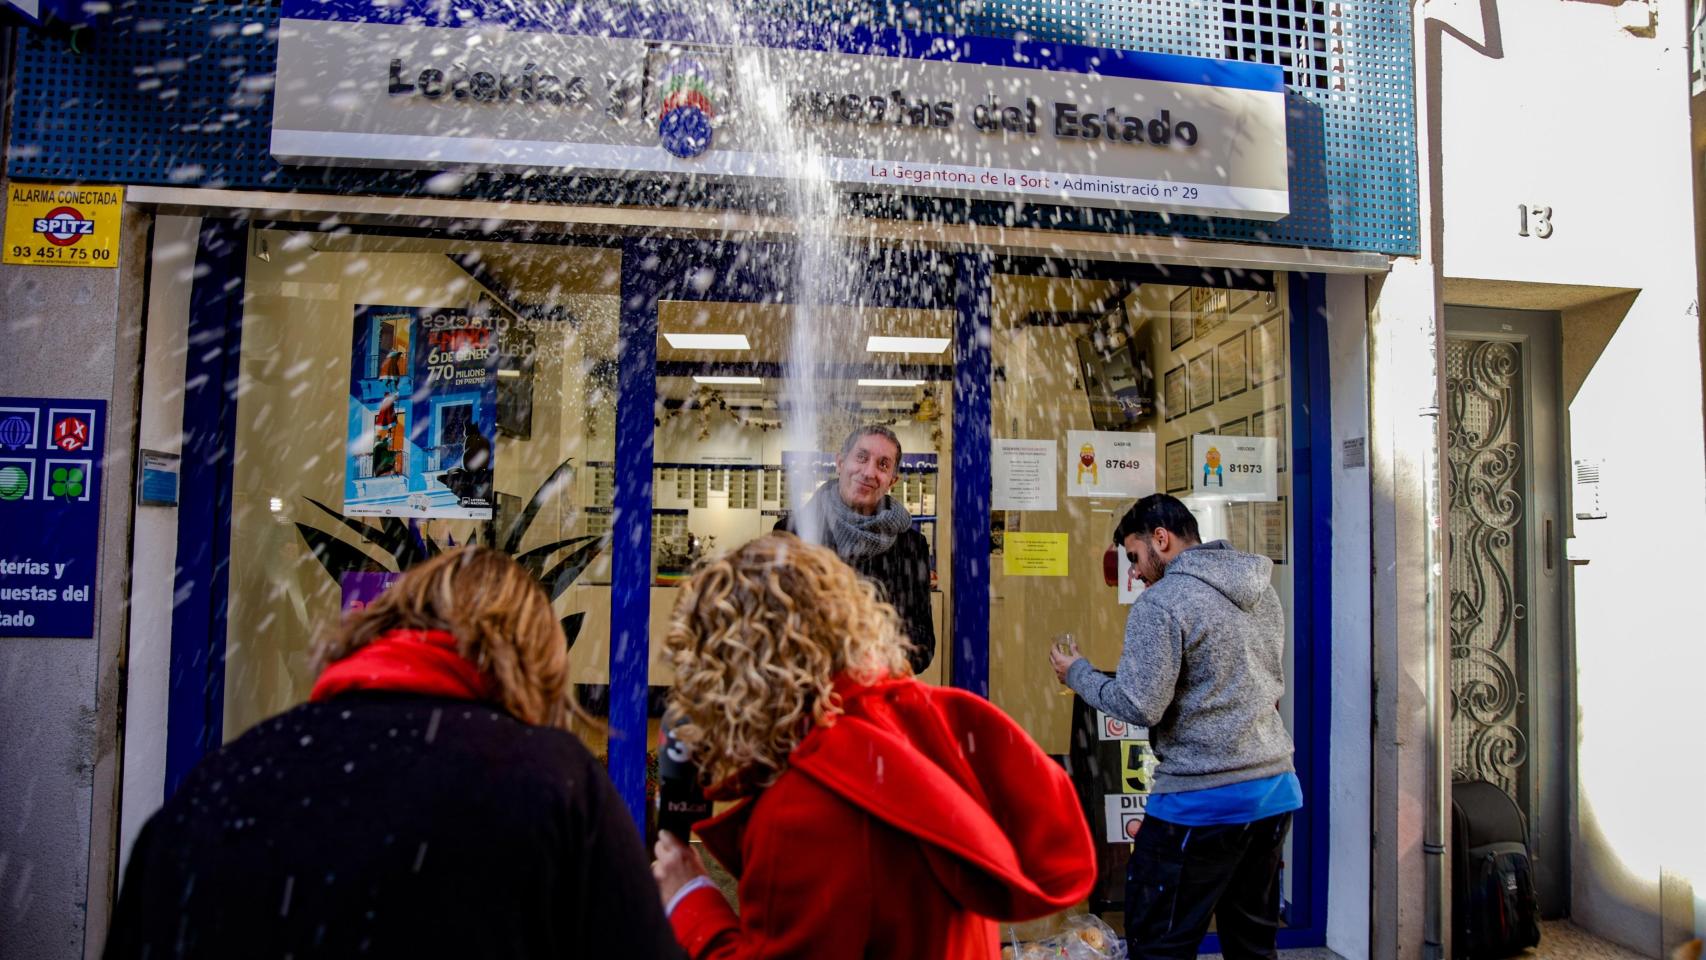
(1203,669)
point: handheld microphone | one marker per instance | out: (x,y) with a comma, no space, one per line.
(681,802)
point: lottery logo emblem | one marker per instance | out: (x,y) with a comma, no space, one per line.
(14,482)
(15,432)
(64,226)
(686,109)
(68,482)
(71,433)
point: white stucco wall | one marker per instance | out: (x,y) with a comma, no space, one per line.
(1348,856)
(1561,105)
(59,696)
(160,427)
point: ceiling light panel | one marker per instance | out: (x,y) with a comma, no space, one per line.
(891,383)
(907,344)
(708,341)
(729,381)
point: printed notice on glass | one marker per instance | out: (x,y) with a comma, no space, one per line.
(1107,463)
(1124,814)
(1131,585)
(1235,468)
(1024,474)
(1113,728)
(1034,554)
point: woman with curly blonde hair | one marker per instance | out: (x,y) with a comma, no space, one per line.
(878,817)
(428,800)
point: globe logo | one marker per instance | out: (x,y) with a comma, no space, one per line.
(14,482)
(14,432)
(685,110)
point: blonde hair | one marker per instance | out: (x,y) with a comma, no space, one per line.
(500,617)
(758,637)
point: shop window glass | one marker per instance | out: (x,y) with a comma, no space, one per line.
(724,467)
(1110,371)
(443,382)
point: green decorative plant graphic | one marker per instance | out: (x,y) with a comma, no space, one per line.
(555,569)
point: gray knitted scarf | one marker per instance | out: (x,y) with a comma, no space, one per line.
(853,535)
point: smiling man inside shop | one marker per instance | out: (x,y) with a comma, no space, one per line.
(856,517)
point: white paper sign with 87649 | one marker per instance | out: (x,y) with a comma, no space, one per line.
(1109,463)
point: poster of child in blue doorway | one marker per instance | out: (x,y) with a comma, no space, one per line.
(422,414)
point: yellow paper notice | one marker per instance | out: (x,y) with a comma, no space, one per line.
(1034,554)
(53,225)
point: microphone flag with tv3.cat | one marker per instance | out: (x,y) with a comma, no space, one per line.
(681,801)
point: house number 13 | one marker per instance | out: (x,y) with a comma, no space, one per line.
(1535,221)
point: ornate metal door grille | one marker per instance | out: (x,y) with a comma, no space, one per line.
(1486,449)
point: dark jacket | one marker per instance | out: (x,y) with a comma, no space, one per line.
(392,825)
(905,830)
(902,575)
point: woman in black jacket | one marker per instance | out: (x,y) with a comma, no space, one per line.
(873,533)
(428,801)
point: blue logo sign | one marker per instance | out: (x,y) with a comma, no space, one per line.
(685,108)
(50,509)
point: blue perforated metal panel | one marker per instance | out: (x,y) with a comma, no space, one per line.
(176,92)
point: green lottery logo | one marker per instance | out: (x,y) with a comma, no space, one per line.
(14,482)
(66,482)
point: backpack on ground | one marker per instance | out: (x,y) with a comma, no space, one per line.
(1494,909)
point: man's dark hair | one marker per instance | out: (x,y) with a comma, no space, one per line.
(871,429)
(1158,511)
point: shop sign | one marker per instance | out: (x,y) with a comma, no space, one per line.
(1124,811)
(60,226)
(1235,468)
(59,14)
(1123,816)
(362,587)
(50,508)
(1110,463)
(1113,728)
(158,485)
(570,90)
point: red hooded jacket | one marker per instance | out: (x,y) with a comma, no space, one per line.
(904,830)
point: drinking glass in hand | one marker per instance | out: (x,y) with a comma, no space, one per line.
(1067,644)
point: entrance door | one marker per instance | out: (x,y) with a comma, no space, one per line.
(1510,696)
(708,366)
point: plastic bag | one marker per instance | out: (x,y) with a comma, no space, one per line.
(1086,937)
